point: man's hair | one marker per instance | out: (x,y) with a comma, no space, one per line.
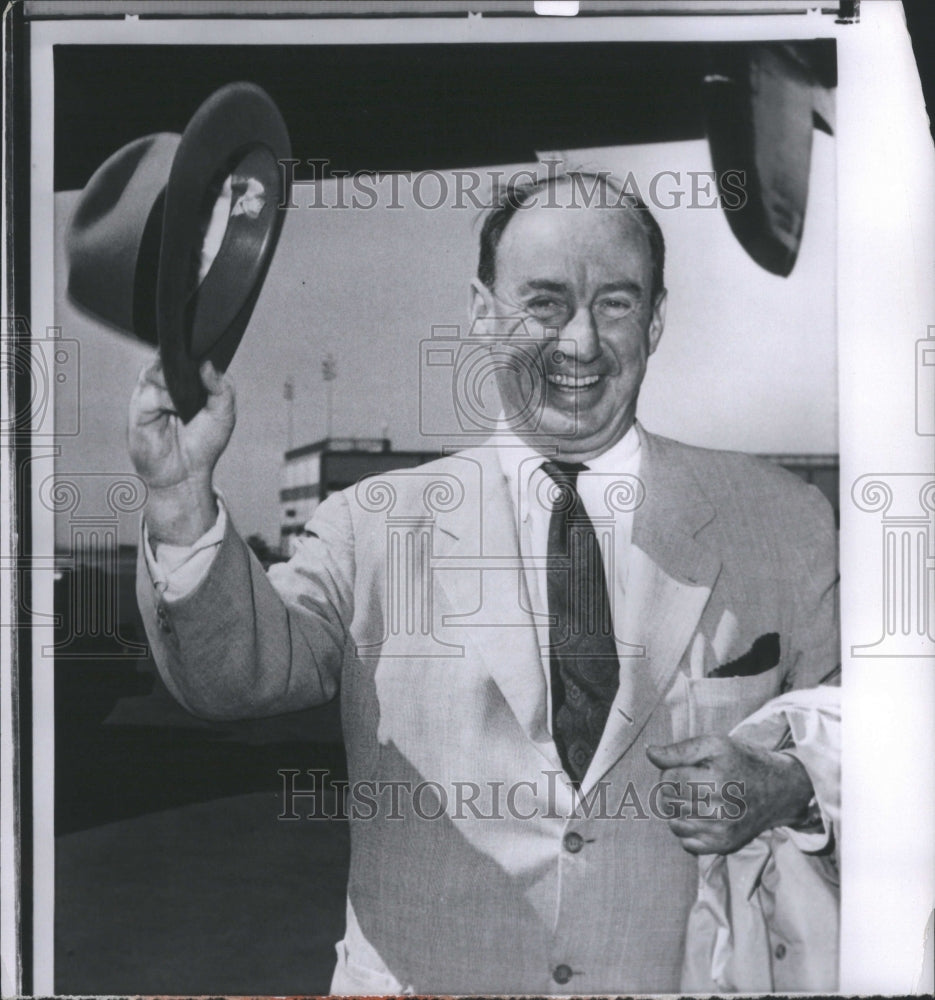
(515,196)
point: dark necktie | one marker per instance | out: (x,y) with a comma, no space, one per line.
(582,652)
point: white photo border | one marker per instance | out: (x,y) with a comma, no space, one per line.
(886,308)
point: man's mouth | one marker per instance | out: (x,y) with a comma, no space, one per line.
(573,383)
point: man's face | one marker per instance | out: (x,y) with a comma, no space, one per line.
(581,275)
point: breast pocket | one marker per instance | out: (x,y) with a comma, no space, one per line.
(716,704)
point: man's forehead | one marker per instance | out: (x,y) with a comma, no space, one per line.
(565,231)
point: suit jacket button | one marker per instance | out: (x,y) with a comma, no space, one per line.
(162,619)
(561,974)
(780,951)
(573,842)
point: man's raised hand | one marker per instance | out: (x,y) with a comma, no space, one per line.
(177,460)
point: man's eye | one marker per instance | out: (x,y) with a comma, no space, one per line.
(615,307)
(544,306)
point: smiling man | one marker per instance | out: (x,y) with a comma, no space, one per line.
(587,272)
(541,644)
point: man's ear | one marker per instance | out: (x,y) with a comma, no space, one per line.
(481,302)
(658,321)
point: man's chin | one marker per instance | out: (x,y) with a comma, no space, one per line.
(571,420)
(555,432)
(576,435)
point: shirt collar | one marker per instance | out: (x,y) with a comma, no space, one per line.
(519,461)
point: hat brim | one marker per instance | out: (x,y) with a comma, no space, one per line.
(238,132)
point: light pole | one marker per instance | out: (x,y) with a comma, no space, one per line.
(288,394)
(329,373)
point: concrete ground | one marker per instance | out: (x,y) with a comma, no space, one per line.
(174,874)
(211,898)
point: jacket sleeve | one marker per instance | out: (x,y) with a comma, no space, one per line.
(815,728)
(811,721)
(247,644)
(813,573)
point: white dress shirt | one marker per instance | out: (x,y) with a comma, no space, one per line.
(607,488)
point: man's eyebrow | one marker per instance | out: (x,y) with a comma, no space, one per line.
(547,285)
(633,287)
(543,285)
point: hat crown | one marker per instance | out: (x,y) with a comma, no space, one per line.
(140,165)
(112,230)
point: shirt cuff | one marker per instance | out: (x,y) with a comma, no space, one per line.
(178,570)
(813,833)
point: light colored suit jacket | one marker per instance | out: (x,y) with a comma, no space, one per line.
(410,598)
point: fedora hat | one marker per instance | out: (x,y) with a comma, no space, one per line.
(172,236)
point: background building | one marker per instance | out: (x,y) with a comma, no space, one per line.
(818,470)
(314,470)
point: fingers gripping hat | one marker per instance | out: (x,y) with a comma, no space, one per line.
(173,235)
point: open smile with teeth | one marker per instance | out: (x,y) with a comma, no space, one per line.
(573,383)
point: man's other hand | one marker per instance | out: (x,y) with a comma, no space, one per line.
(721,792)
(177,460)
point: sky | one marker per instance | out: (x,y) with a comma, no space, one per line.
(747,360)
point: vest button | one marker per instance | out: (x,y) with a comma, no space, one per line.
(780,951)
(573,842)
(561,974)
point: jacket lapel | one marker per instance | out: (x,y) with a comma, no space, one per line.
(669,576)
(484,603)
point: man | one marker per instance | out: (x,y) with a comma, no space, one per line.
(541,643)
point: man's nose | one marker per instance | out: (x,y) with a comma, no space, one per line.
(581,330)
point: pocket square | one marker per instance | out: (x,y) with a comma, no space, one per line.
(761,656)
